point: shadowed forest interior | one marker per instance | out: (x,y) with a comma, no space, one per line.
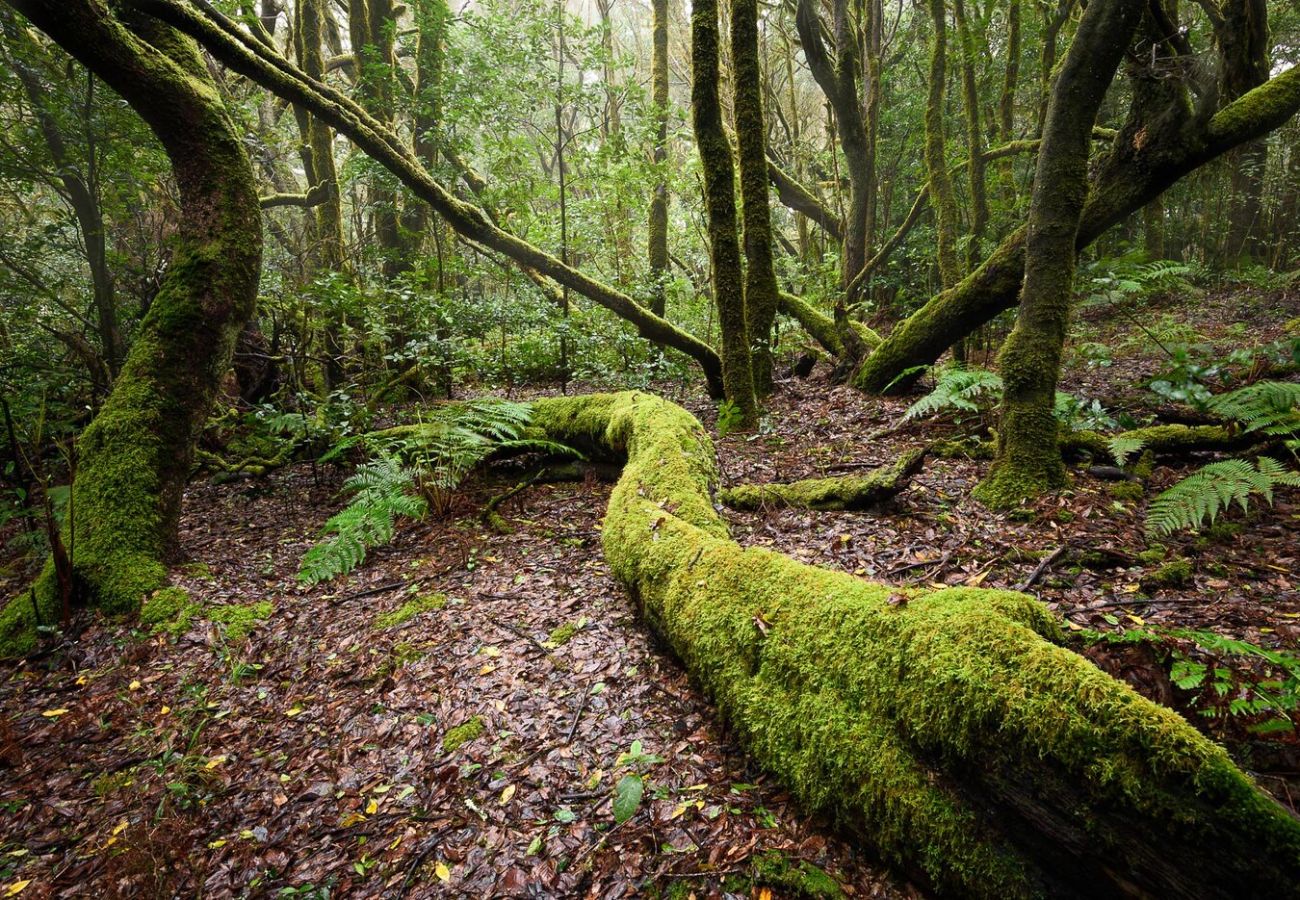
(608,448)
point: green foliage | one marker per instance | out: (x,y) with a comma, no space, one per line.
(382,492)
(462,734)
(1125,280)
(627,797)
(1122,447)
(956,387)
(1271,407)
(730,417)
(1203,495)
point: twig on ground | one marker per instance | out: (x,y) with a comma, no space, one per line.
(1042,567)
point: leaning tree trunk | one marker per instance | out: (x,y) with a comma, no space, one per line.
(720,204)
(231,45)
(133,460)
(1028,461)
(1151,153)
(751,139)
(947,729)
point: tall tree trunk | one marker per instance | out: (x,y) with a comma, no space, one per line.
(975,164)
(133,460)
(1028,461)
(1241,28)
(943,199)
(751,139)
(837,77)
(720,203)
(658,236)
(1007,102)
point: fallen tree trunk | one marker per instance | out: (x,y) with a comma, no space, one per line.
(848,492)
(948,728)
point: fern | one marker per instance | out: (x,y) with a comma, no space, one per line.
(956,388)
(1272,407)
(1203,495)
(1122,447)
(381,493)
(417,468)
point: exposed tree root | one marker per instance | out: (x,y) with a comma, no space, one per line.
(848,492)
(948,728)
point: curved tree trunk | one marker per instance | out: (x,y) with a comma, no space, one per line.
(942,197)
(134,458)
(947,730)
(1028,461)
(226,41)
(1160,144)
(720,204)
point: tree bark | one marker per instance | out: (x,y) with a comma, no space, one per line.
(134,458)
(720,204)
(751,140)
(658,234)
(1028,461)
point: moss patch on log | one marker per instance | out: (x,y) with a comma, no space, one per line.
(952,730)
(850,492)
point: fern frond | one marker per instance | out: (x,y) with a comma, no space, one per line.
(1272,407)
(1121,447)
(956,388)
(1202,496)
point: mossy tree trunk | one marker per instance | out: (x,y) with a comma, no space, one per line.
(836,72)
(947,730)
(751,140)
(1241,30)
(1164,139)
(943,198)
(134,458)
(971,44)
(720,205)
(1028,461)
(328,254)
(1007,102)
(658,234)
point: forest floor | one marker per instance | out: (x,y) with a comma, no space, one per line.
(451,719)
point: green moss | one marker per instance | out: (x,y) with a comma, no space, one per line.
(1126,490)
(843,493)
(562,634)
(239,619)
(1153,556)
(1292,327)
(1174,574)
(872,704)
(462,734)
(410,609)
(794,878)
(170,610)
(964,449)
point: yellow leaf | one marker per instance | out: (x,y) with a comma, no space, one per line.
(441,870)
(17,887)
(978,579)
(491,651)
(679,809)
(121,826)
(381,789)
(54,714)
(351,819)
(134,685)
(372,807)
(218,843)
(395,843)
(507,794)
(293,711)
(487,670)
(82,679)
(165,710)
(764,894)
(215,761)
(1138,619)
(698,787)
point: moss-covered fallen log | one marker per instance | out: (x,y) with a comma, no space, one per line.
(845,492)
(949,729)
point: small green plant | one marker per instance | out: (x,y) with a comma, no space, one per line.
(956,387)
(1202,496)
(730,418)
(382,492)
(1269,407)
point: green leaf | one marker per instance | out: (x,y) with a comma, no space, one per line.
(627,797)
